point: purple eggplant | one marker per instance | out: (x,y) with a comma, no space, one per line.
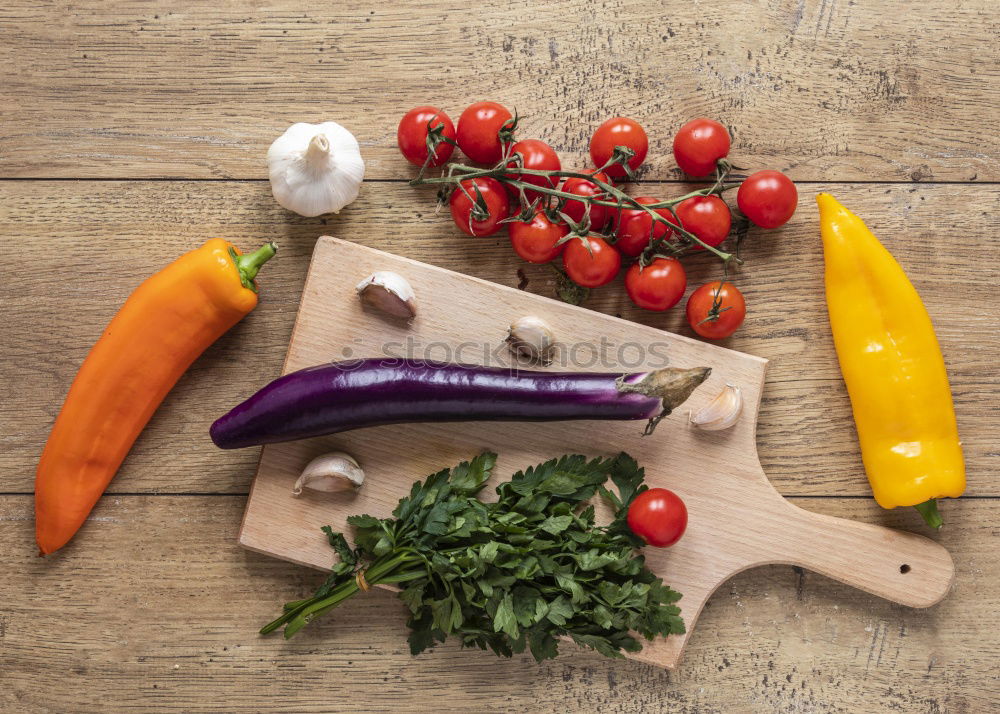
(372,392)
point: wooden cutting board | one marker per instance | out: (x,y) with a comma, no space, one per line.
(736,518)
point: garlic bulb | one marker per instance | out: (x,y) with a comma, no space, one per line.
(722,412)
(532,337)
(335,471)
(389,292)
(315,168)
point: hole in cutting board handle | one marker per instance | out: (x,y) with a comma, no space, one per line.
(904,568)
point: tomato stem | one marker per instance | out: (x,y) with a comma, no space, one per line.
(499,173)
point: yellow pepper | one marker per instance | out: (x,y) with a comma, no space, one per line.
(893,369)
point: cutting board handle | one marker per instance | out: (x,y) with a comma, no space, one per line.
(904,567)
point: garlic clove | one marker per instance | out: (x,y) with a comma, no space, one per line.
(315,168)
(722,412)
(389,292)
(331,472)
(532,337)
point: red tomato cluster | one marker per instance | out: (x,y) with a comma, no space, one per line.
(594,241)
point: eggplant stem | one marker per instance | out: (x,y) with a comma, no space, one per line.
(672,385)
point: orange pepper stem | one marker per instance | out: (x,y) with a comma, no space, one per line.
(929,510)
(249,264)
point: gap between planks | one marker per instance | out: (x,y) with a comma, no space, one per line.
(243,494)
(644,182)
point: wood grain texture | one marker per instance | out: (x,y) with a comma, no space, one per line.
(154,607)
(83,246)
(737,520)
(826,90)
(157,609)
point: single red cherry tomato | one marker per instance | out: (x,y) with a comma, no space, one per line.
(537,241)
(412,134)
(634,227)
(658,516)
(583,187)
(620,131)
(708,217)
(535,154)
(716,312)
(473,219)
(479,131)
(593,268)
(658,286)
(699,144)
(768,198)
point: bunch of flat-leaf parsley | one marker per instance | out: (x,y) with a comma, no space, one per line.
(520,572)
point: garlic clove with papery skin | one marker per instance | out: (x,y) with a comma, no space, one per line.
(531,337)
(315,168)
(389,292)
(722,412)
(335,471)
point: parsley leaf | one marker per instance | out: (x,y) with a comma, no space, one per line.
(504,620)
(511,575)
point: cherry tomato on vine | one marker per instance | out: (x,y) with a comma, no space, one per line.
(699,144)
(479,220)
(634,227)
(593,268)
(658,286)
(620,131)
(708,217)
(768,198)
(537,241)
(716,312)
(658,516)
(535,154)
(583,187)
(411,135)
(479,131)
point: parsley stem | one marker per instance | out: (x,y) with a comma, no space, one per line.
(404,577)
(298,614)
(296,604)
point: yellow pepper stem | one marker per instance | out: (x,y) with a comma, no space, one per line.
(929,510)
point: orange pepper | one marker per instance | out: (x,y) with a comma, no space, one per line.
(160,330)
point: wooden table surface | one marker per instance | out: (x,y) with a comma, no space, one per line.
(131,131)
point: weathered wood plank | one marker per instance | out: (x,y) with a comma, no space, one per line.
(81,247)
(155,606)
(825,90)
